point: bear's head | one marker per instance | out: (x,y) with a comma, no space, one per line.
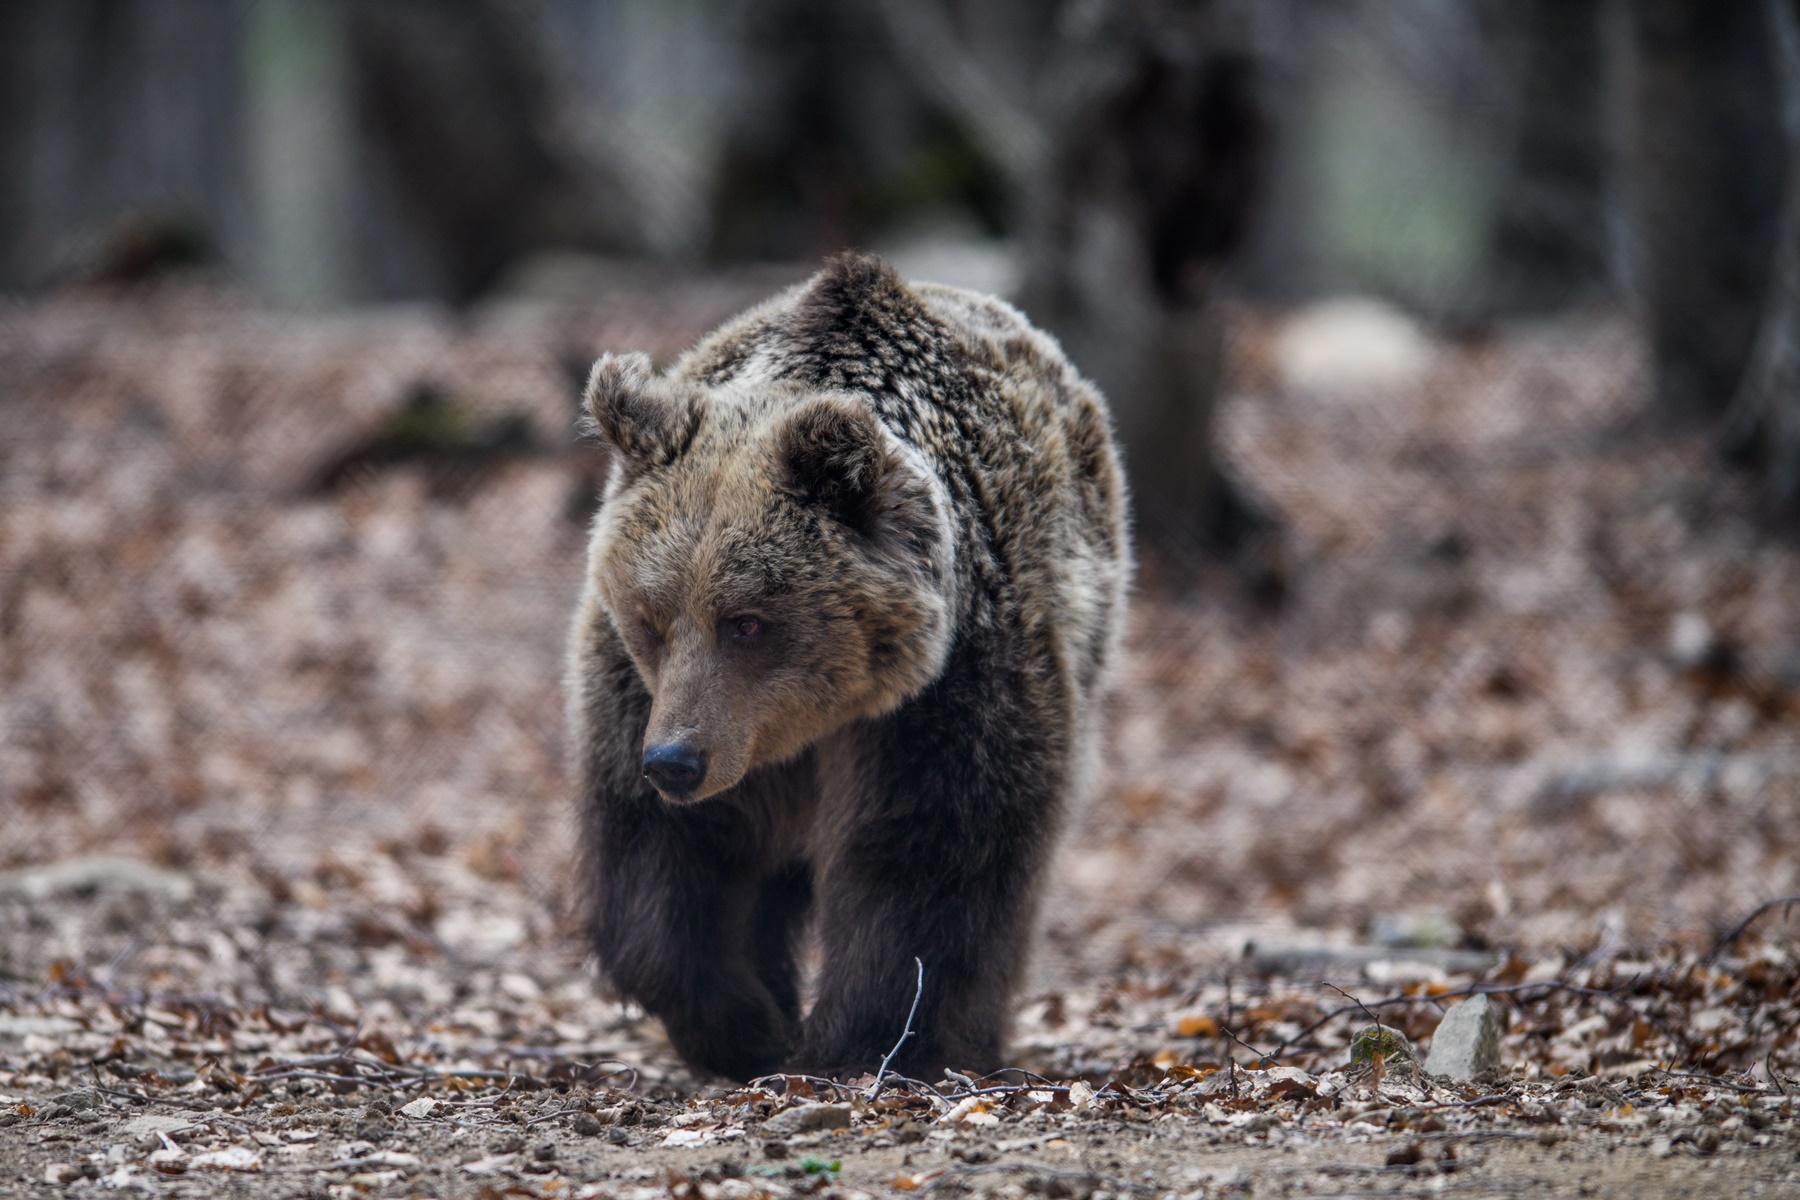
(776,562)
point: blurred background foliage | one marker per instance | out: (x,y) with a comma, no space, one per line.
(1116,166)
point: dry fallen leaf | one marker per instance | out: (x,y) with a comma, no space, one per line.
(1197,1027)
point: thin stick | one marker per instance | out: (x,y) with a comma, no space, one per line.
(1356,1000)
(1480,989)
(1716,1081)
(881,1074)
(1743,926)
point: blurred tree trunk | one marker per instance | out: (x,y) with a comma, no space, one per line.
(795,174)
(1765,419)
(1174,157)
(1550,239)
(119,138)
(455,98)
(16,121)
(1132,142)
(1705,167)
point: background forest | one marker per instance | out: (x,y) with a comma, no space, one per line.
(1455,349)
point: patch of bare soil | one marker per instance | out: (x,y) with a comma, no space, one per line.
(284,894)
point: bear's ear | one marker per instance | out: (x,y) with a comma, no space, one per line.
(641,416)
(833,453)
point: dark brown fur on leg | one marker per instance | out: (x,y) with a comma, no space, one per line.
(683,919)
(939,860)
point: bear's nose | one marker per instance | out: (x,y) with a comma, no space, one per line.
(675,769)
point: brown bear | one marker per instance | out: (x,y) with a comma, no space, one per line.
(851,594)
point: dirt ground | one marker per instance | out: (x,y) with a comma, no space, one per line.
(285,905)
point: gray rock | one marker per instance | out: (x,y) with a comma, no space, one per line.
(807,1117)
(24,1027)
(80,1098)
(95,875)
(1467,1041)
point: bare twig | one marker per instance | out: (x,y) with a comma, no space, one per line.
(815,1080)
(1774,1075)
(1356,1000)
(921,1089)
(1743,926)
(880,1074)
(1479,989)
(1716,1081)
(1226,1030)
(1033,1075)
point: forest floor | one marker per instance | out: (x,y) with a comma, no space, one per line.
(285,897)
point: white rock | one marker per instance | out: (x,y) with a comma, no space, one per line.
(521,988)
(231,1158)
(1351,344)
(95,874)
(689,1137)
(23,1027)
(1467,1041)
(491,1164)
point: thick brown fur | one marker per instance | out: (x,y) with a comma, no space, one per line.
(863,557)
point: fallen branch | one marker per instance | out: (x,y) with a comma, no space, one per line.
(1743,926)
(881,1073)
(1476,989)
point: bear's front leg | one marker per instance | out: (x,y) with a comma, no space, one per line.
(953,809)
(677,936)
(682,914)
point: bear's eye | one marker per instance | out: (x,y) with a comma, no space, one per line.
(650,634)
(743,629)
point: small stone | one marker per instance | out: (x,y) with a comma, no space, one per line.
(586,1124)
(618,1136)
(508,1145)
(807,1117)
(775,1148)
(908,1132)
(1707,1141)
(1379,1040)
(545,1152)
(80,1098)
(1467,1041)
(82,878)
(1074,1186)
(24,1027)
